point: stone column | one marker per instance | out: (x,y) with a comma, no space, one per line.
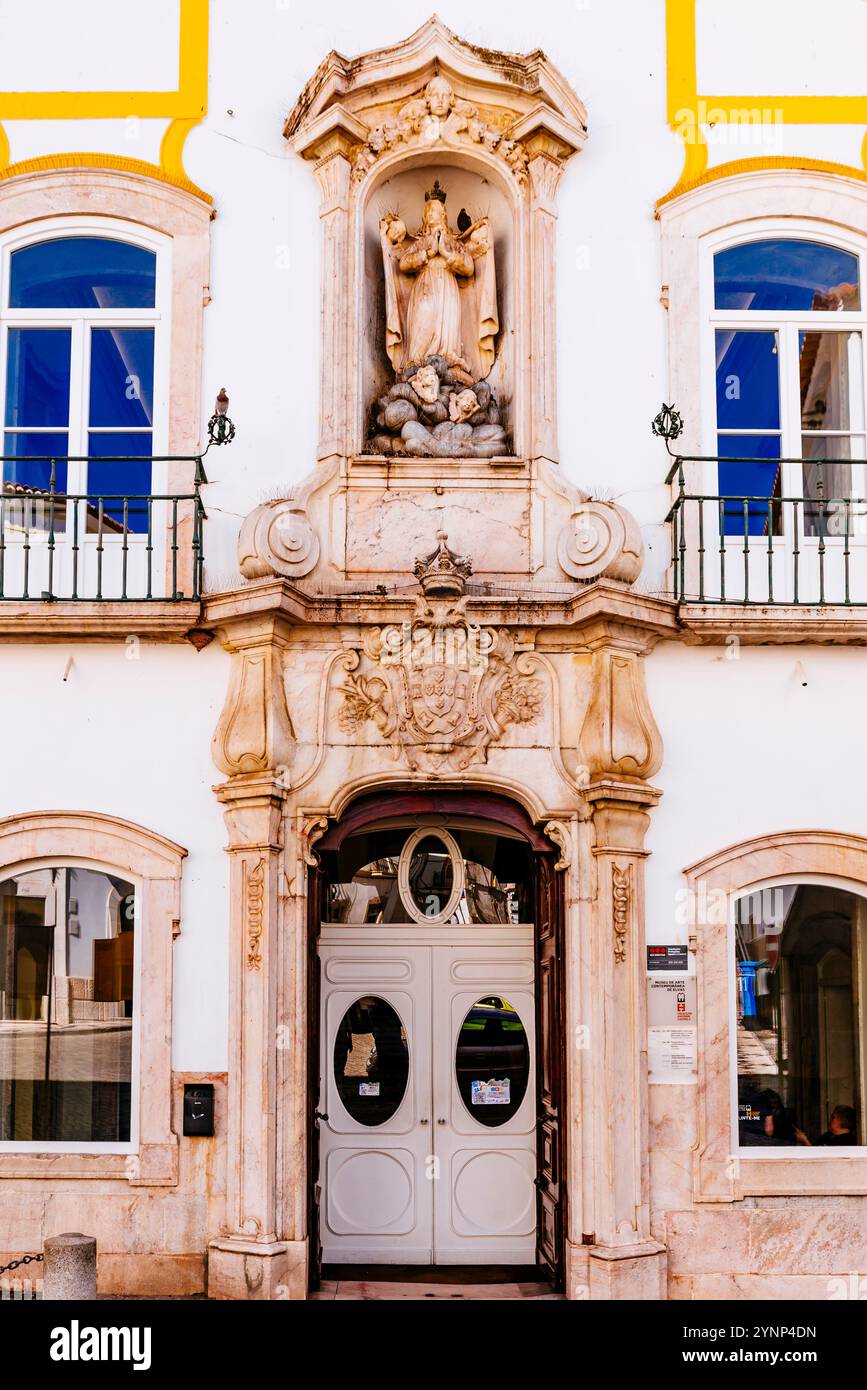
(253,743)
(620,747)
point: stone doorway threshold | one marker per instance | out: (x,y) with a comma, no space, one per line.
(439,1283)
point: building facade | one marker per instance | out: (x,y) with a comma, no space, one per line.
(451,849)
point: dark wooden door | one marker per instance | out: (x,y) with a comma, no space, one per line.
(550,1041)
(314,919)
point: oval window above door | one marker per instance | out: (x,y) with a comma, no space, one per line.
(492,1061)
(430,875)
(371,1060)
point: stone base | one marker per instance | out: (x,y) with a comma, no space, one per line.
(577,1271)
(254,1270)
(637,1272)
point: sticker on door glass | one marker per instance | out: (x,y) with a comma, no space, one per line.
(368,1088)
(490,1092)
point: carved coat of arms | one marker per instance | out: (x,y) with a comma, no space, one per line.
(443,688)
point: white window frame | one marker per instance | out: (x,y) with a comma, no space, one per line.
(774,1153)
(80,321)
(24,1146)
(787,324)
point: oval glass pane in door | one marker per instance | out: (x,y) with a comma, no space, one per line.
(371,1060)
(492,1061)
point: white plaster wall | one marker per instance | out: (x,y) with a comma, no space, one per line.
(262,328)
(131,738)
(772,740)
(747,748)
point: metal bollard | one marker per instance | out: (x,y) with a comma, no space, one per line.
(69,1269)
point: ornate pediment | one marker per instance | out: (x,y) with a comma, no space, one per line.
(435,88)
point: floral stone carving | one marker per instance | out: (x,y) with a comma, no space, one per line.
(438,114)
(441,689)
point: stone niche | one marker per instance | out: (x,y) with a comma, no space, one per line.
(492,131)
(477,207)
(438,165)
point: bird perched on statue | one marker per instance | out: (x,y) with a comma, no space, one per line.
(464,220)
(221,406)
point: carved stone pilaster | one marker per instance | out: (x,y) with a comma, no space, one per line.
(619,737)
(254,744)
(618,1261)
(254,733)
(249,1260)
(330,141)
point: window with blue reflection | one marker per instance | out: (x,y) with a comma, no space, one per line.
(749,472)
(121,378)
(83,272)
(747,381)
(37,378)
(748,399)
(36,417)
(113,479)
(784,274)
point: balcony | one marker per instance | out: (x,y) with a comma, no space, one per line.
(745,563)
(100,564)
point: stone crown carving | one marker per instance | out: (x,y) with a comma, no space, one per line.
(443,572)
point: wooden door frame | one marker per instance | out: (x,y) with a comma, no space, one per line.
(496,810)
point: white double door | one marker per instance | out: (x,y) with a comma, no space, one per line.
(427,1091)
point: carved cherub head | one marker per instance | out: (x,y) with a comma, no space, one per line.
(426,384)
(394,228)
(439,96)
(462,405)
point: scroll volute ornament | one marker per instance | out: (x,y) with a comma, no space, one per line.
(619,737)
(254,734)
(601,539)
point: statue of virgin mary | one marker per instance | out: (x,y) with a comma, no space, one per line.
(440,292)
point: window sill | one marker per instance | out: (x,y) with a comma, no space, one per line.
(153,1165)
(58,620)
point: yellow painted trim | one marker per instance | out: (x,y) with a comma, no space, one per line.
(760,163)
(186,106)
(686,105)
(189,100)
(118,162)
(172,153)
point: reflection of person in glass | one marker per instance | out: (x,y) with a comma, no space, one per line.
(767,1121)
(841,1128)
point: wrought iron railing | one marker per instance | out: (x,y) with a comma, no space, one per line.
(756,549)
(805,549)
(99,546)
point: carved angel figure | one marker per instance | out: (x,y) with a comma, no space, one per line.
(440,292)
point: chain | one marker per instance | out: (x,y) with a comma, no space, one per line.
(25,1260)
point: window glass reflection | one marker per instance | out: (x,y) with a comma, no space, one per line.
(783,274)
(431,876)
(80,272)
(800,1049)
(371,1060)
(832,410)
(363,878)
(492,1061)
(66,1006)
